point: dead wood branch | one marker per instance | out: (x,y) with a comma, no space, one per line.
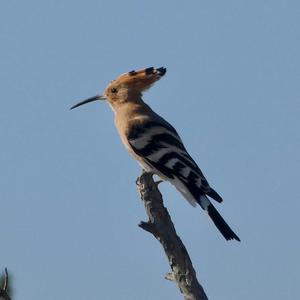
(3,290)
(161,227)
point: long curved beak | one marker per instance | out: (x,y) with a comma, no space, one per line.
(91,99)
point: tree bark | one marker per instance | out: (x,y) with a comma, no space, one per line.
(162,228)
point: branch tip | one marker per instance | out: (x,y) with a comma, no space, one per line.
(170,276)
(147,226)
(3,291)
(5,280)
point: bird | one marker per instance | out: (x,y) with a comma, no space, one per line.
(155,143)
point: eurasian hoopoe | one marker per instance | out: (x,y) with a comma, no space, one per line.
(155,144)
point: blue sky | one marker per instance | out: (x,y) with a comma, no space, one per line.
(69,205)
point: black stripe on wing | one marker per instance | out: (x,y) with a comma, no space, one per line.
(138,129)
(160,141)
(187,161)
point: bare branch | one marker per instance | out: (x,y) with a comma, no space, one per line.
(3,290)
(162,228)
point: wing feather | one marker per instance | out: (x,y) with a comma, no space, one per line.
(158,144)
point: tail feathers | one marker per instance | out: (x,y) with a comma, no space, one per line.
(223,227)
(213,194)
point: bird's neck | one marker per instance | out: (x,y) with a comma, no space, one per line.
(129,111)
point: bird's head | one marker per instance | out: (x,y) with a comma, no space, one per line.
(128,87)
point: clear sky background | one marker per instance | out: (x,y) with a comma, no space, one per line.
(69,205)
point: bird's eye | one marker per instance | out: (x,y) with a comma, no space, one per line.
(114,90)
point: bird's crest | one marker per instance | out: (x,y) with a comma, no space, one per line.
(140,80)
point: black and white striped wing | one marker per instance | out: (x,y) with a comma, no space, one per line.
(158,144)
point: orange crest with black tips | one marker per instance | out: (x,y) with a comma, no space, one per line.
(133,83)
(142,79)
